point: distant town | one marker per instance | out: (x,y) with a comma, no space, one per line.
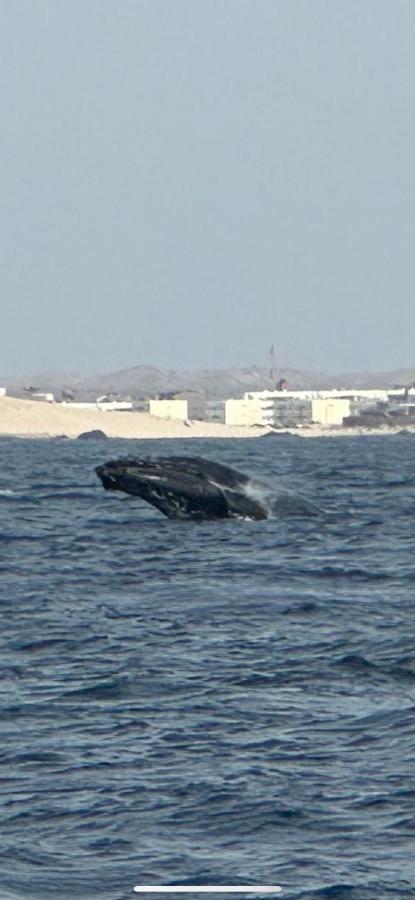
(278,406)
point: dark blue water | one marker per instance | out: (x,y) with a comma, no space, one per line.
(219,702)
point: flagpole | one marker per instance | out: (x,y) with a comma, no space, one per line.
(272,370)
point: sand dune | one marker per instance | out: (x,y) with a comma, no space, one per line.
(29,418)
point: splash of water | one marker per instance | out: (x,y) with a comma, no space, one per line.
(281,503)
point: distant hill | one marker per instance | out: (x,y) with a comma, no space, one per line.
(143,381)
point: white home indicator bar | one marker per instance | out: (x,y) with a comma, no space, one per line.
(208,889)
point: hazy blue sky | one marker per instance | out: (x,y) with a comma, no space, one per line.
(185,182)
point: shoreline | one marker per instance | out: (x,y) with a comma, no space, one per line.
(38,419)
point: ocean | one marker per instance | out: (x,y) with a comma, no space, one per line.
(196,703)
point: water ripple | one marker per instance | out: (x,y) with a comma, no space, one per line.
(211,702)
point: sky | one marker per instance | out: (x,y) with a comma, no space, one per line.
(186,182)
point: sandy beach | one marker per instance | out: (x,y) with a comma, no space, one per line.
(29,418)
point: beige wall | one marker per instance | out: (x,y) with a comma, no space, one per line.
(168,409)
(243,412)
(329,412)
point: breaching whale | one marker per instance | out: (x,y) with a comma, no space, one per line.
(184,486)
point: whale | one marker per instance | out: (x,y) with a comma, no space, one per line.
(184,487)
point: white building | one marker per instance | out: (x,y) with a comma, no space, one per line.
(326,407)
(327,411)
(243,412)
(102,405)
(375,394)
(169,409)
(46,396)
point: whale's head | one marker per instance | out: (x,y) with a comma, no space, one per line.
(183,487)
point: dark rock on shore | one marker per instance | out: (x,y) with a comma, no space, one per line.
(95,434)
(276,434)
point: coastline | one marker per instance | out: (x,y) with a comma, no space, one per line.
(37,419)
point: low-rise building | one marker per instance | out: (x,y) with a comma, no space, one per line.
(214,411)
(168,409)
(46,396)
(243,412)
(326,411)
(102,405)
(299,408)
